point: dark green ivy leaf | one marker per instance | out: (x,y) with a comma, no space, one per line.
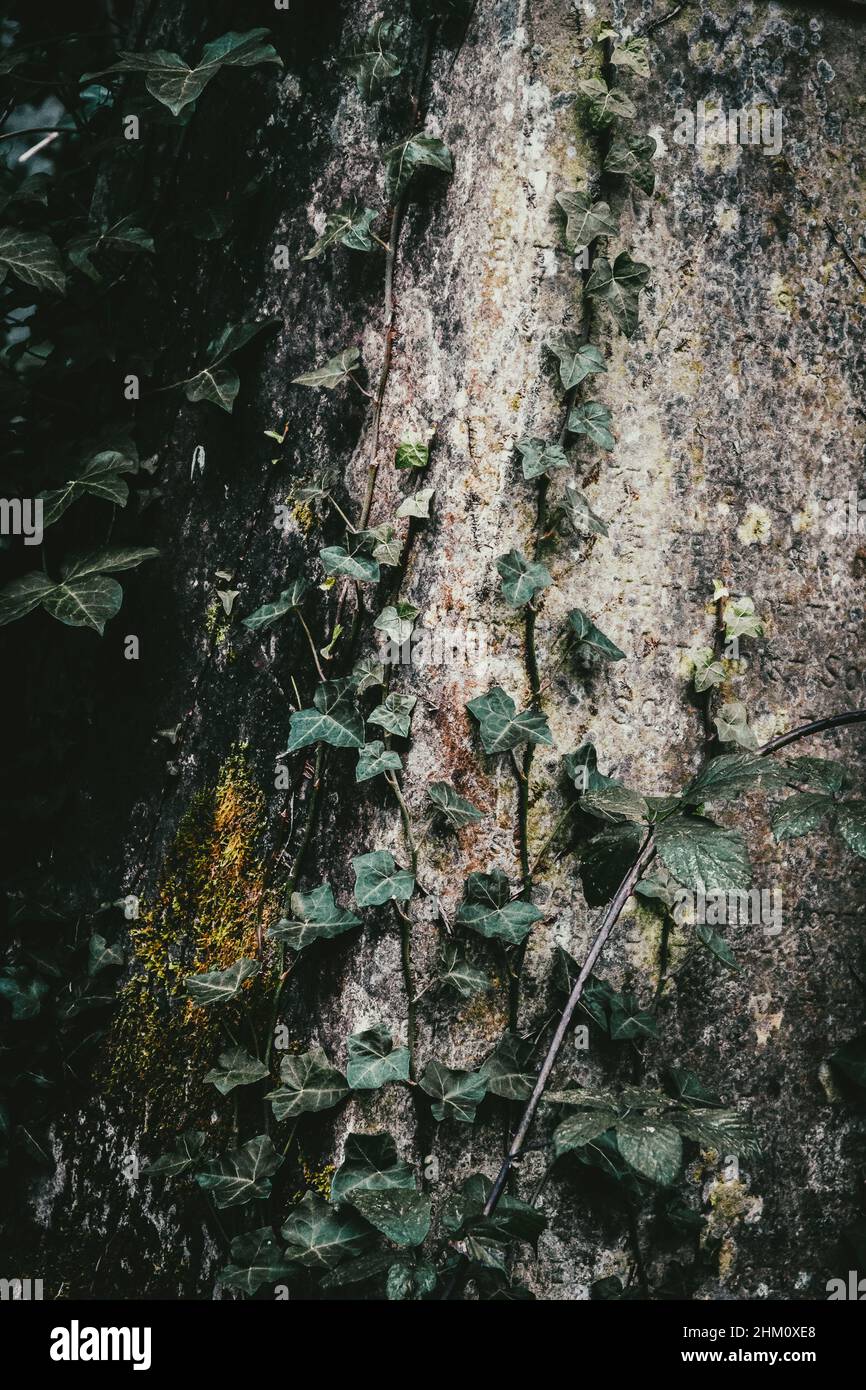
(852,825)
(576,359)
(402,1216)
(269,613)
(315,917)
(521,579)
(579,514)
(334,719)
(374,758)
(374,62)
(402,160)
(308,1084)
(256,1259)
(33,259)
(370,1164)
(191,1145)
(236,1068)
(592,419)
(727,776)
(318,1237)
(101,955)
(487,908)
(585,220)
(455,810)
(652,1149)
(350,226)
(606,859)
(378,880)
(456,1094)
(628,1020)
(501,727)
(539,457)
(334,371)
(591,639)
(395,714)
(702,855)
(242,1175)
(174,83)
(619,286)
(218,986)
(632,156)
(800,814)
(505,1070)
(374,1060)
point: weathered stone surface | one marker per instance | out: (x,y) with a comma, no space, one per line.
(737,412)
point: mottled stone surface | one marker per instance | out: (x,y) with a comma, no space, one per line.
(737,414)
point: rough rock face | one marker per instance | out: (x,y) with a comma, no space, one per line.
(738,417)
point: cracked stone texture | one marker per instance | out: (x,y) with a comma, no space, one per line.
(737,414)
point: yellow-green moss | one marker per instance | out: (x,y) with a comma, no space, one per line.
(211,906)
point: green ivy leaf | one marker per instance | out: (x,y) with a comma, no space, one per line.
(235,1068)
(308,1084)
(686,1087)
(218,986)
(402,1216)
(740,619)
(487,908)
(87,602)
(539,457)
(402,160)
(726,1131)
(591,640)
(397,621)
(334,371)
(412,453)
(367,673)
(460,975)
(270,613)
(852,825)
(349,226)
(175,84)
(338,561)
(629,1020)
(374,62)
(521,579)
(101,955)
(256,1259)
(23,595)
(592,419)
(456,1095)
(632,53)
(417,505)
(242,1175)
(315,917)
(606,102)
(580,1128)
(716,944)
(395,715)
(374,1060)
(632,156)
(33,259)
(576,359)
(729,775)
(24,994)
(585,220)
(501,727)
(100,477)
(216,383)
(708,671)
(619,286)
(800,815)
(505,1070)
(410,1282)
(850,1060)
(374,758)
(191,1145)
(654,1150)
(320,1238)
(456,810)
(702,855)
(378,880)
(370,1164)
(334,719)
(579,514)
(732,726)
(822,774)
(123,235)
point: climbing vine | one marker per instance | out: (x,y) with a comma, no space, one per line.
(374,1224)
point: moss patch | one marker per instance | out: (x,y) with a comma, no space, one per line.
(211,906)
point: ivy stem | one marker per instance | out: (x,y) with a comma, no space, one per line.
(817,726)
(302,620)
(406,924)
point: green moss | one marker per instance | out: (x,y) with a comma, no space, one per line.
(211,906)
